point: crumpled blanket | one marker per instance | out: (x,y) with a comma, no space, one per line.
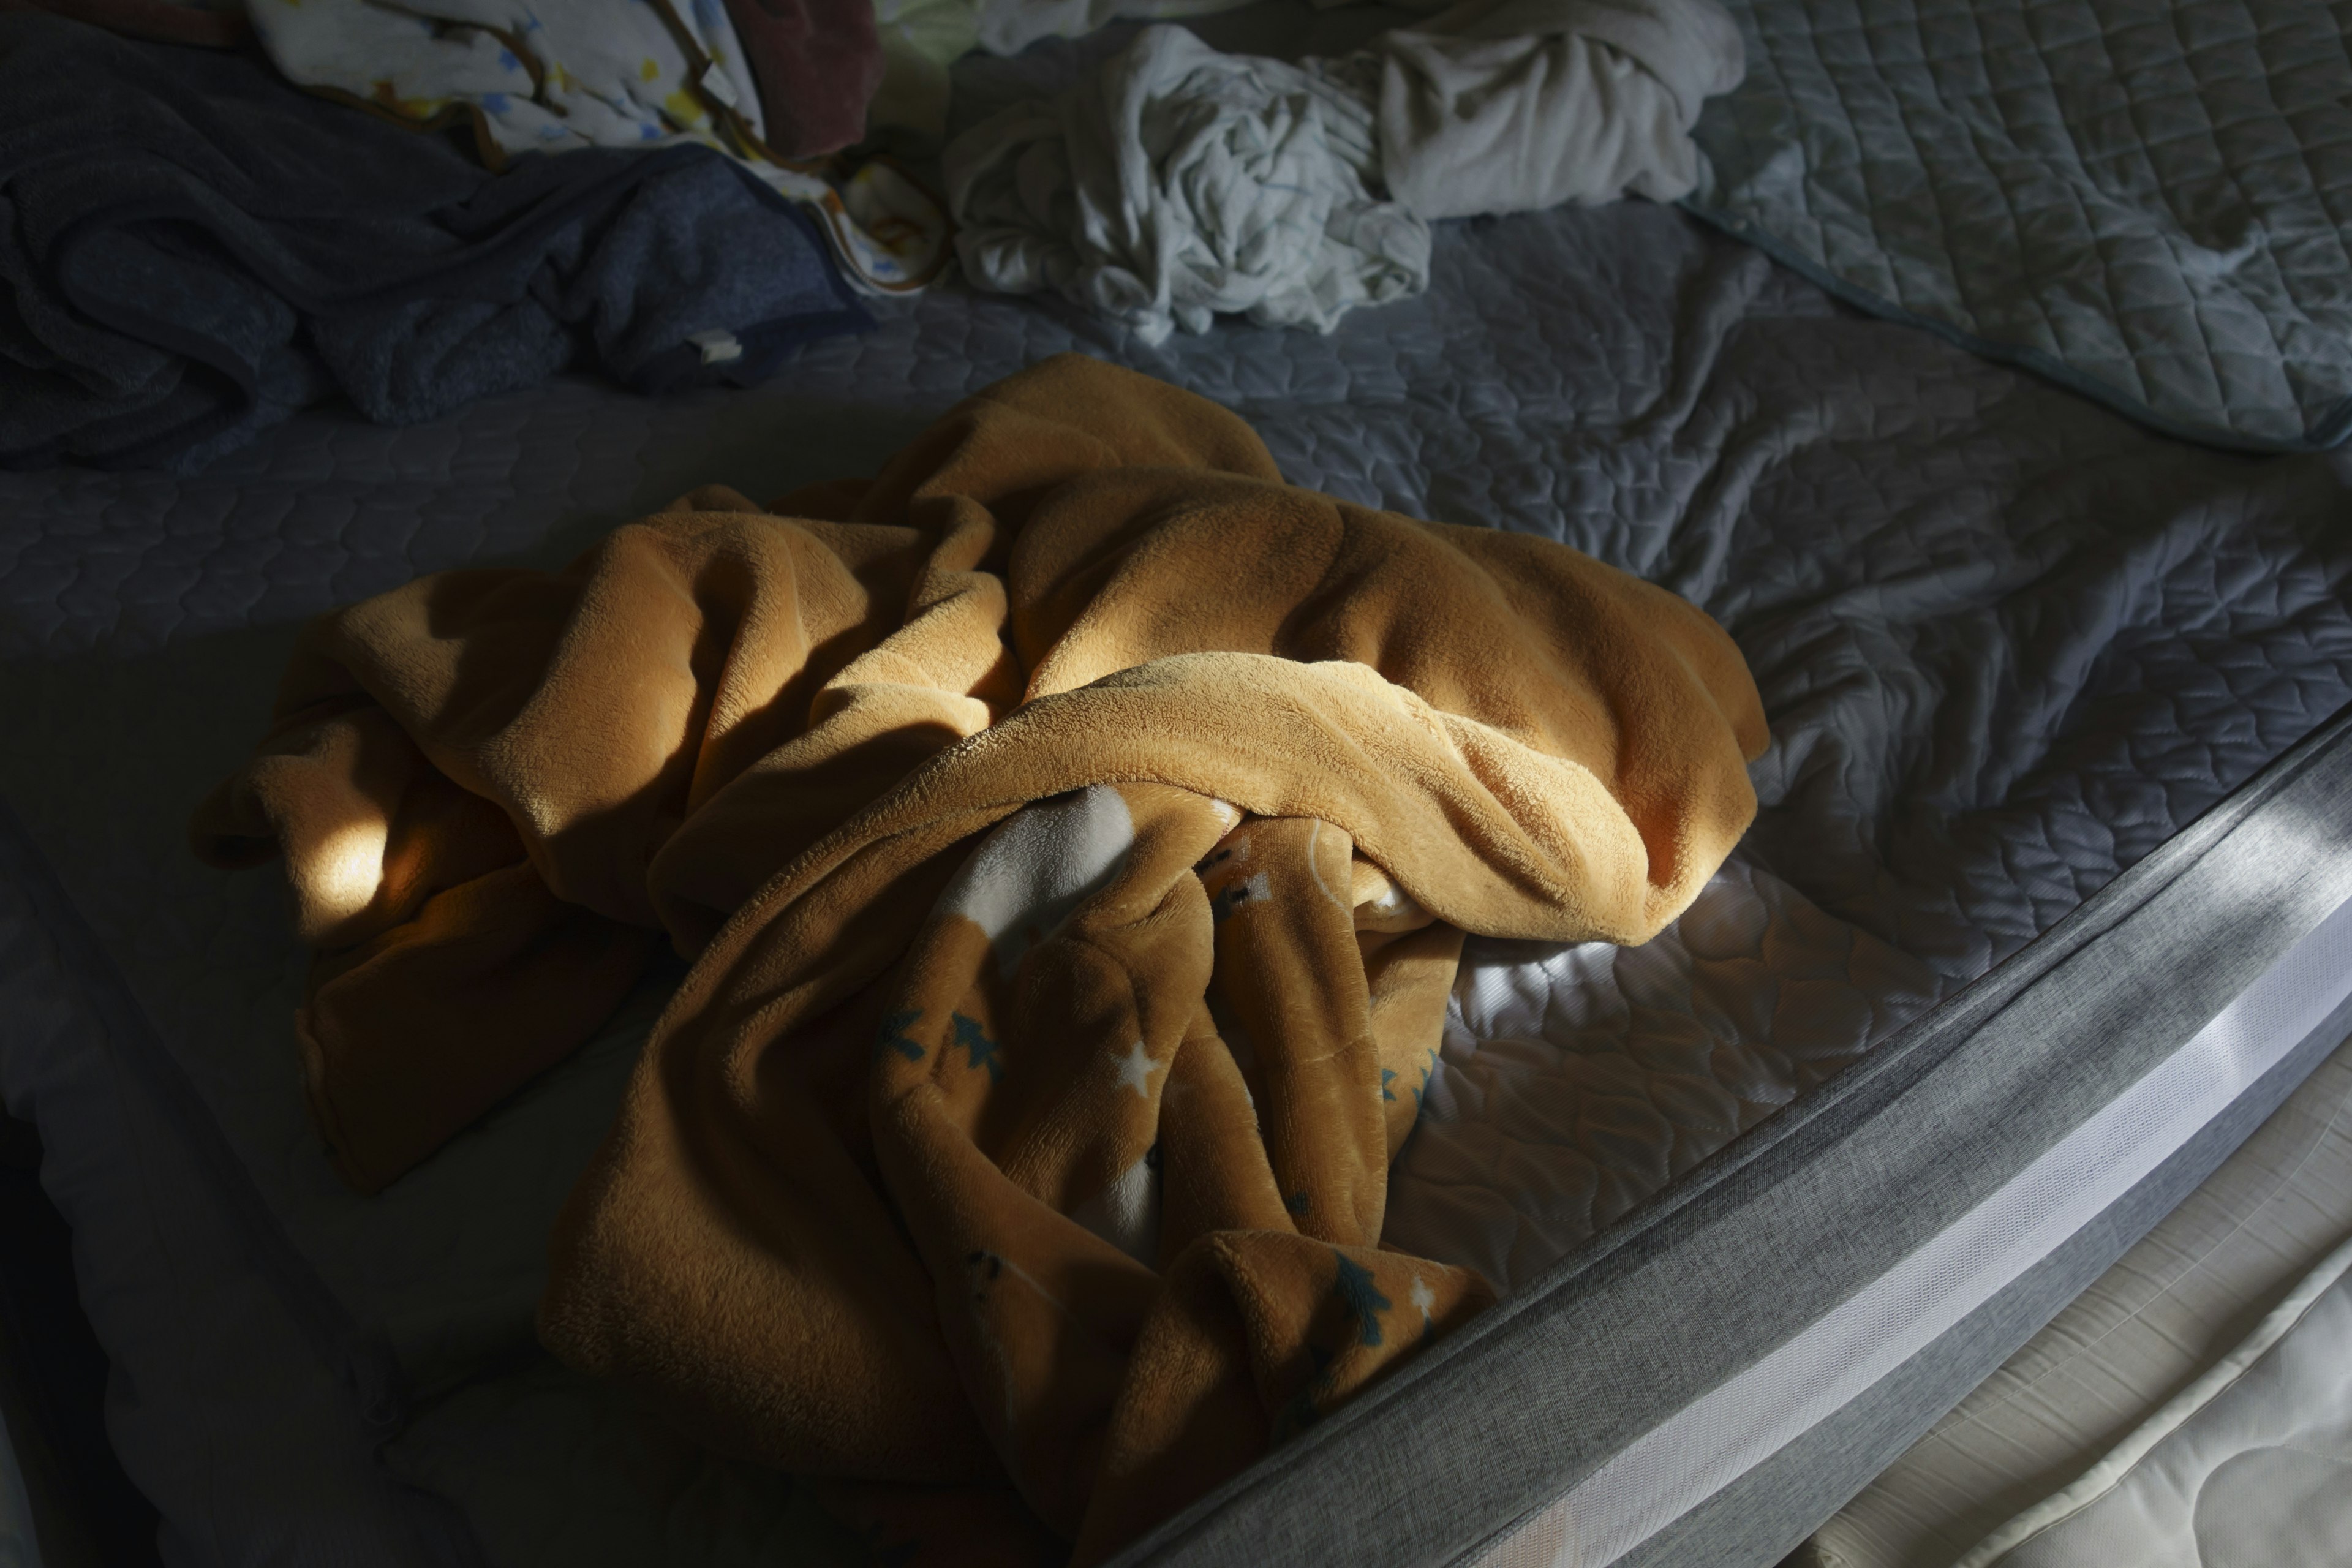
(1180,183)
(1074,828)
(632,73)
(192,259)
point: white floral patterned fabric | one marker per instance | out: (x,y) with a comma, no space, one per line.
(568,74)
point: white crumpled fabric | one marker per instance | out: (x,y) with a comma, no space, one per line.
(1500,106)
(1179,183)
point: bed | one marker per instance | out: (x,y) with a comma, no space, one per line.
(2049,903)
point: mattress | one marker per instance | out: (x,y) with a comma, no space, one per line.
(2187,1299)
(2040,683)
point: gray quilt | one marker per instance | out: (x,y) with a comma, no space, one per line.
(2146,200)
(2009,642)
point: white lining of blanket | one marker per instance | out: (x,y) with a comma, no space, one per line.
(1741,1423)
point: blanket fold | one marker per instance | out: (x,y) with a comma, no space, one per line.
(1073,829)
(189,257)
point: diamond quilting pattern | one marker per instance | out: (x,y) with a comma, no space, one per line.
(2151,200)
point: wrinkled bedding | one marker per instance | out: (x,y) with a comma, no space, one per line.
(2145,200)
(190,259)
(2008,644)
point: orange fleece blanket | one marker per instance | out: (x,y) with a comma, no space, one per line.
(1073,829)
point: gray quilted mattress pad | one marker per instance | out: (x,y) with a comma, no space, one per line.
(2008,641)
(2146,200)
